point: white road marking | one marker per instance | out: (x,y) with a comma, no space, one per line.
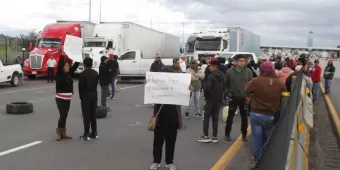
(19,148)
(141,105)
(15,91)
(129,87)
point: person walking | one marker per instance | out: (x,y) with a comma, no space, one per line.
(114,67)
(328,76)
(197,76)
(213,90)
(87,86)
(169,121)
(236,79)
(284,73)
(266,93)
(105,77)
(64,92)
(51,63)
(315,73)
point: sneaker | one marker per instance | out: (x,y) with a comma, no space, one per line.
(198,115)
(94,135)
(214,140)
(85,137)
(227,138)
(186,115)
(204,139)
(112,97)
(170,166)
(155,166)
(244,138)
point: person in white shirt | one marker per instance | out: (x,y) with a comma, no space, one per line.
(51,63)
(183,64)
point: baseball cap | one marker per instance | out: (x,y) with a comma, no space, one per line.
(176,60)
(111,55)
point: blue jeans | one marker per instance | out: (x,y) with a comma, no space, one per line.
(315,91)
(328,84)
(113,86)
(260,126)
(195,96)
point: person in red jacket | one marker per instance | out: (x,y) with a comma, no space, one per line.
(315,73)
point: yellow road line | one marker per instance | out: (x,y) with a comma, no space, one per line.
(306,148)
(224,161)
(333,112)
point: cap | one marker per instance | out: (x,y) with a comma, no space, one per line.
(330,61)
(111,55)
(176,60)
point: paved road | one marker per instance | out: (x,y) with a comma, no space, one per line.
(124,142)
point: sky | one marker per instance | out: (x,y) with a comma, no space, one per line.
(277,22)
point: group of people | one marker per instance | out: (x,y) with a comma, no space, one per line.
(87,85)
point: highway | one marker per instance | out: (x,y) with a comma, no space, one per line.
(28,141)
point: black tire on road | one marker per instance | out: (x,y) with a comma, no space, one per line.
(101,112)
(19,108)
(15,80)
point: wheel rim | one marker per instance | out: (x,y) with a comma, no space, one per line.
(16,80)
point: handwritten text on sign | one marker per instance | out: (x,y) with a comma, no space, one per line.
(167,88)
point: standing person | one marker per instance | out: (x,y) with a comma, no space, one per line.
(51,65)
(157,65)
(266,90)
(236,79)
(116,58)
(183,64)
(105,77)
(197,76)
(87,86)
(114,67)
(169,121)
(204,65)
(284,73)
(64,92)
(213,90)
(315,73)
(328,76)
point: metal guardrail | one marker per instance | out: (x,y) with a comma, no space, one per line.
(287,145)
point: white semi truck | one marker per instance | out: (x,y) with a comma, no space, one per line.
(216,41)
(123,38)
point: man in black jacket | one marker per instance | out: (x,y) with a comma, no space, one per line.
(88,82)
(105,78)
(328,75)
(213,91)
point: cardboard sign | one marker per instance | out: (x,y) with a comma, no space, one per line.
(73,48)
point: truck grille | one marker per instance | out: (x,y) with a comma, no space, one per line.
(201,56)
(36,62)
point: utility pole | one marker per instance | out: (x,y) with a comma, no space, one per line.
(183,33)
(90,5)
(100,12)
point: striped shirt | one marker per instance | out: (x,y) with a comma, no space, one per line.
(65,96)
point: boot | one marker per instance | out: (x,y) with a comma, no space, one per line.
(58,134)
(64,135)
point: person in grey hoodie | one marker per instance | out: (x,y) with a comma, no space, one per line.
(213,91)
(236,80)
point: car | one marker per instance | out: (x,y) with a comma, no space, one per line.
(11,74)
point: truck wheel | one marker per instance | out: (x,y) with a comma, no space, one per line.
(15,80)
(19,108)
(31,76)
(101,112)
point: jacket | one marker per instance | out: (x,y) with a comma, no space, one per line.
(157,66)
(87,85)
(64,81)
(213,87)
(266,93)
(114,67)
(284,73)
(329,72)
(105,75)
(196,78)
(178,107)
(315,74)
(235,82)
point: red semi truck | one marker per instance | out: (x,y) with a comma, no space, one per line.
(51,38)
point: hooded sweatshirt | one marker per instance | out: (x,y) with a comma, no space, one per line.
(284,73)
(213,87)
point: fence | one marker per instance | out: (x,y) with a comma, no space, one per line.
(11,47)
(287,145)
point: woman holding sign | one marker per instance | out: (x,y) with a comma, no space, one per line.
(64,92)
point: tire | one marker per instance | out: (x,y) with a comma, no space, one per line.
(19,108)
(15,80)
(101,112)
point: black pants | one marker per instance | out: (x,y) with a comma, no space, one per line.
(63,107)
(211,110)
(169,135)
(50,74)
(88,108)
(233,104)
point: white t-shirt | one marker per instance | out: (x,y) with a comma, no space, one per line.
(51,63)
(183,66)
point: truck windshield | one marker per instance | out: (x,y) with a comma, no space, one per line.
(49,43)
(95,44)
(208,45)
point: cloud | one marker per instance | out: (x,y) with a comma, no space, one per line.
(278,22)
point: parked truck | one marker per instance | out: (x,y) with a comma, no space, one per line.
(216,41)
(135,45)
(51,38)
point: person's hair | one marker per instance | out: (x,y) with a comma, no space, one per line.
(215,63)
(115,57)
(316,62)
(239,57)
(302,61)
(203,61)
(88,62)
(222,60)
(286,63)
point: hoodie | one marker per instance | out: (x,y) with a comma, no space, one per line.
(213,87)
(284,73)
